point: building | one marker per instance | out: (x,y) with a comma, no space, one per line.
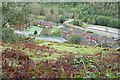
(44,24)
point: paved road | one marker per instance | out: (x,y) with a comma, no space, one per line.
(99,30)
(113,32)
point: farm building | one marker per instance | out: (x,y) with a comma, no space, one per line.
(44,24)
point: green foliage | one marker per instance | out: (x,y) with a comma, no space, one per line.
(104,45)
(118,42)
(16,13)
(105,14)
(89,31)
(35,32)
(57,32)
(91,21)
(80,59)
(9,36)
(62,19)
(45,31)
(52,32)
(109,74)
(75,39)
(115,23)
(41,17)
(77,22)
(52,14)
(102,20)
(77,77)
(90,75)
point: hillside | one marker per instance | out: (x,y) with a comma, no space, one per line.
(60,40)
(53,60)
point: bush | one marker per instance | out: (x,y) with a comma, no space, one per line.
(91,21)
(35,32)
(104,45)
(114,23)
(9,36)
(102,20)
(118,42)
(78,22)
(89,31)
(75,39)
(62,19)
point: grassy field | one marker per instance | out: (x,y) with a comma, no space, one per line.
(71,47)
(33,28)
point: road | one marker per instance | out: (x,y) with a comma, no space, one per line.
(101,30)
(98,31)
(113,32)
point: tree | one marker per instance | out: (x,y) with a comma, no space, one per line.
(62,19)
(75,39)
(48,15)
(9,36)
(35,8)
(56,16)
(78,22)
(35,32)
(16,13)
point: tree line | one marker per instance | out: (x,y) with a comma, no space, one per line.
(103,13)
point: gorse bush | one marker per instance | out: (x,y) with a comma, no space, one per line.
(75,39)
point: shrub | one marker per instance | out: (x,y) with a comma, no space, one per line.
(114,23)
(62,19)
(91,21)
(78,22)
(104,45)
(9,36)
(35,32)
(75,39)
(102,20)
(89,31)
(118,42)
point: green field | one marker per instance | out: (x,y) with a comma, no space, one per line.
(72,48)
